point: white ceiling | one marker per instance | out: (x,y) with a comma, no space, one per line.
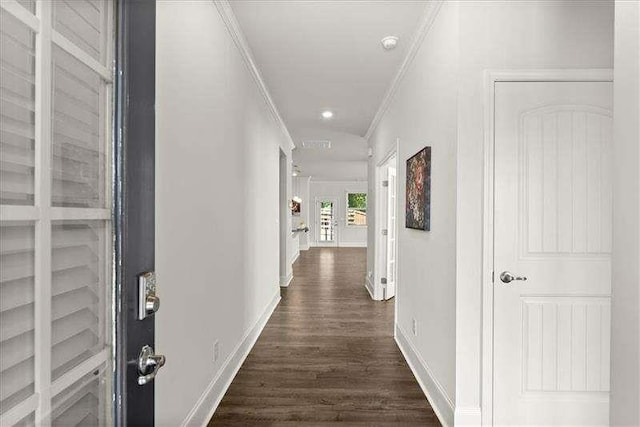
(317,55)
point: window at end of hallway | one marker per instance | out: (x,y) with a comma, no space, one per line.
(356,209)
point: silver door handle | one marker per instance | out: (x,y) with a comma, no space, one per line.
(507,277)
(148,365)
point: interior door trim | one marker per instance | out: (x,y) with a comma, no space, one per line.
(379,268)
(491,77)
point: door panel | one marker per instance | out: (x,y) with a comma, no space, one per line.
(390,288)
(552,226)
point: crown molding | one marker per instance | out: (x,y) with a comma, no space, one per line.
(230,21)
(426,22)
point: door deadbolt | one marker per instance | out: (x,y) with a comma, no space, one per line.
(148,301)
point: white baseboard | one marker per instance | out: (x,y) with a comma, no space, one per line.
(285,281)
(471,416)
(340,245)
(436,395)
(352,244)
(369,287)
(304,247)
(210,399)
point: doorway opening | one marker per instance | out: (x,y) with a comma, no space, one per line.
(386,228)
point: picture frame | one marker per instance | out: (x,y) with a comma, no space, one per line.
(418,191)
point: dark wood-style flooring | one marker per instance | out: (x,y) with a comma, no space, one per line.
(327,355)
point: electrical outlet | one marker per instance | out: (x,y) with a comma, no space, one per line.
(414,327)
(370,274)
(216,351)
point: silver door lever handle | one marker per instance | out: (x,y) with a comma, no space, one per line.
(148,360)
(507,277)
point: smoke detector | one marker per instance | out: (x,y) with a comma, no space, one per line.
(389,42)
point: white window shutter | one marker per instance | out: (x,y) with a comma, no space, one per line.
(78,291)
(16,313)
(17,111)
(78,143)
(55,248)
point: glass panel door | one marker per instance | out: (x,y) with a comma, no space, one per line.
(55,212)
(327,221)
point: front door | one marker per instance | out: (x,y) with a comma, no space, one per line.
(327,223)
(552,282)
(136,362)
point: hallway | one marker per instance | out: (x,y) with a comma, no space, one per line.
(327,354)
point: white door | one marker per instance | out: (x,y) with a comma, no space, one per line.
(552,226)
(326,222)
(390,288)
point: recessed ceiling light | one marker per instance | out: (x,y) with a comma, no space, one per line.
(327,114)
(389,42)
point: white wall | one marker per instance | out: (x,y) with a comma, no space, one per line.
(423,113)
(440,103)
(348,236)
(625,304)
(217,206)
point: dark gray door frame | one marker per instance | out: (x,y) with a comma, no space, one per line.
(134,194)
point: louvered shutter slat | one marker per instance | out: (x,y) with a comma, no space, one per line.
(79,404)
(72,279)
(17,383)
(16,323)
(15,160)
(81,21)
(82,412)
(16,293)
(30,5)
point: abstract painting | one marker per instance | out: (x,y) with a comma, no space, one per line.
(418,207)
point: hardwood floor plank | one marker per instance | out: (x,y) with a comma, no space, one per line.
(326,356)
